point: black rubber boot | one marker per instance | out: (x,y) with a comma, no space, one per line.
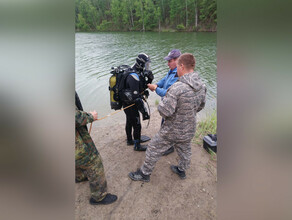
(108,199)
(169,151)
(138,146)
(131,142)
(139,176)
(175,169)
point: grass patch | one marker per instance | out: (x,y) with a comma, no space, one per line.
(204,127)
(156,102)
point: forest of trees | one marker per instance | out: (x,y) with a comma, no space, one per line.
(145,15)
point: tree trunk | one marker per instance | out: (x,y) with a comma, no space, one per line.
(163,15)
(196,14)
(187,14)
(131,13)
(142,11)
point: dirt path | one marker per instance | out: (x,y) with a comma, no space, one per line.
(166,196)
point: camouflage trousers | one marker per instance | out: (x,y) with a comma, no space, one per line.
(158,145)
(92,168)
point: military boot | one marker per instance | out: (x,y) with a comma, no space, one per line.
(176,170)
(139,176)
(138,146)
(169,151)
(81,180)
(108,199)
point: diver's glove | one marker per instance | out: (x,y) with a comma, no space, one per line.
(148,76)
(140,105)
(146,94)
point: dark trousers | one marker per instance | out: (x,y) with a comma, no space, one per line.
(133,121)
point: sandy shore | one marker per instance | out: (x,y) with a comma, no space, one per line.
(166,196)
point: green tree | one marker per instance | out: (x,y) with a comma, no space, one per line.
(208,11)
(177,9)
(81,23)
(91,15)
(125,12)
(88,12)
(139,9)
(116,12)
(150,15)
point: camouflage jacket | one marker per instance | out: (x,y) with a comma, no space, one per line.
(84,146)
(182,101)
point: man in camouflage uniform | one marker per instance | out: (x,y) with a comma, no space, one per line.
(179,107)
(88,162)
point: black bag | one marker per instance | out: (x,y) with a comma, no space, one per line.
(210,143)
(117,85)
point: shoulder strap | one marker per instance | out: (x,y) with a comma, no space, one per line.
(135,76)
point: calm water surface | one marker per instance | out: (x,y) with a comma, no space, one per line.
(96,53)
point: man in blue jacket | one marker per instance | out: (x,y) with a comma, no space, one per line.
(162,86)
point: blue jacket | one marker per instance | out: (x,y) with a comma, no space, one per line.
(166,82)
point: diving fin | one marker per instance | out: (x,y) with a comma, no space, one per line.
(144,138)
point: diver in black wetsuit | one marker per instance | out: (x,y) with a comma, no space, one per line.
(133,90)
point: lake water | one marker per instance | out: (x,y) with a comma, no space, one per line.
(96,53)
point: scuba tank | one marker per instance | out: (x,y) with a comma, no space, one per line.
(112,86)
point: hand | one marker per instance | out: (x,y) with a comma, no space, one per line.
(94,114)
(152,87)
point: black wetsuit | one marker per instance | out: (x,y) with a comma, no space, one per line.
(132,113)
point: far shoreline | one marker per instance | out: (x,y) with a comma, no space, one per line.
(159,31)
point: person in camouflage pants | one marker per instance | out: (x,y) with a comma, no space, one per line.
(179,107)
(88,162)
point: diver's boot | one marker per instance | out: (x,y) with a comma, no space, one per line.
(144,138)
(138,146)
(130,142)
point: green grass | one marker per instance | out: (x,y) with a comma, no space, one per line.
(156,102)
(204,127)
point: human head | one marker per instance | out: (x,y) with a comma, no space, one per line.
(171,58)
(185,64)
(143,60)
